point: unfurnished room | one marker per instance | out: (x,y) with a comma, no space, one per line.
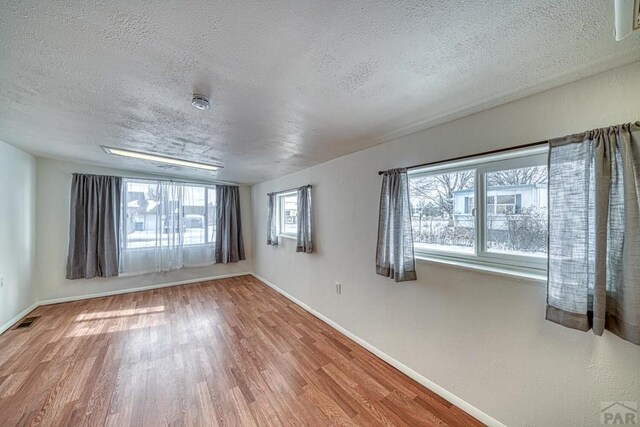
(319,213)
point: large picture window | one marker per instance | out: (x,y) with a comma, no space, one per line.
(155,214)
(166,225)
(489,211)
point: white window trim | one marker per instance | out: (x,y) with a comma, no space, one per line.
(288,236)
(280,200)
(481,259)
(535,275)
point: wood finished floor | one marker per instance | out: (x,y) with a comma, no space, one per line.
(223,352)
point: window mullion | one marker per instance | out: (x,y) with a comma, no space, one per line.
(482,213)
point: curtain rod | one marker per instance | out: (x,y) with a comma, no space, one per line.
(152,178)
(485,153)
(286,191)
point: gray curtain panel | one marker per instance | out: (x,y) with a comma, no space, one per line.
(394,254)
(94,227)
(305,221)
(229,244)
(272,218)
(594,231)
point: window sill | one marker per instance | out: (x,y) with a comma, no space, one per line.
(288,236)
(540,277)
(154,248)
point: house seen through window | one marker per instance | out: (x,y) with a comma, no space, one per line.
(489,210)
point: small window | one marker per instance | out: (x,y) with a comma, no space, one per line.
(469,205)
(488,211)
(288,214)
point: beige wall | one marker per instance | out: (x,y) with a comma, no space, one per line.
(17,232)
(480,336)
(53,193)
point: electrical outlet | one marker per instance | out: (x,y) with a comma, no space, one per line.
(338,288)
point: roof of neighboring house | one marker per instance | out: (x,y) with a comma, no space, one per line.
(152,207)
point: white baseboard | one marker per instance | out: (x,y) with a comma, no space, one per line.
(18,316)
(139,289)
(467,407)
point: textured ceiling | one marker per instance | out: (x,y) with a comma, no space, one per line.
(292,83)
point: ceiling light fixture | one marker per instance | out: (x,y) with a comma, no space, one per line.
(161,159)
(200,102)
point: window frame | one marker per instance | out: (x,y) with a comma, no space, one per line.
(124,240)
(280,214)
(481,257)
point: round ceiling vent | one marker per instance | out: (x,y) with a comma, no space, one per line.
(201,102)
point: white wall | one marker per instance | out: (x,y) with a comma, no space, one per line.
(482,337)
(53,194)
(17,232)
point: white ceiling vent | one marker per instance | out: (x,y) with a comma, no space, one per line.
(627,17)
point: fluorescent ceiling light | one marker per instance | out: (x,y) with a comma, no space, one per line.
(161,159)
(627,17)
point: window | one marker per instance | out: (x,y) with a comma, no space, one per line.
(287,214)
(507,229)
(158,215)
(444,205)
